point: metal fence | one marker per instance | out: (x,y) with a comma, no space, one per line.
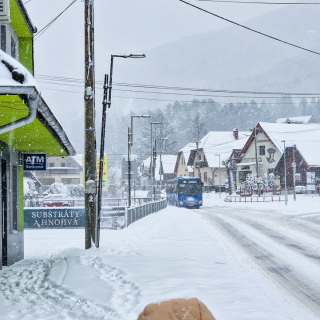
(253,198)
(135,213)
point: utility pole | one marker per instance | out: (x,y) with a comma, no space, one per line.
(90,139)
(294,167)
(285,171)
(256,152)
(129,167)
(198,161)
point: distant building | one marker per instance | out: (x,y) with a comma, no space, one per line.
(298,120)
(265,146)
(181,167)
(214,149)
(64,170)
(163,169)
(302,166)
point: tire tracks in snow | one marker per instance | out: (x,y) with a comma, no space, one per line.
(273,265)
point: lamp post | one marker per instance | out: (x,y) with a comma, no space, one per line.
(161,147)
(106,103)
(130,144)
(218,155)
(285,171)
(151,160)
(294,165)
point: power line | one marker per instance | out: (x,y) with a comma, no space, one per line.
(176,100)
(52,21)
(176,88)
(250,29)
(173,93)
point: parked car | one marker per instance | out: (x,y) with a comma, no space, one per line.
(58,200)
(158,194)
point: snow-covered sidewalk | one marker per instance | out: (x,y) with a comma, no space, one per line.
(170,254)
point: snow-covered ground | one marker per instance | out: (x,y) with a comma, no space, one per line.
(244,261)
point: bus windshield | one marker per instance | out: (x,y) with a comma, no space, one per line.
(186,188)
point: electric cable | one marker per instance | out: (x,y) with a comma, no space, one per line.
(250,29)
(52,21)
(279,93)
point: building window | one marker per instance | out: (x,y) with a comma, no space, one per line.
(70,180)
(243,175)
(205,176)
(13,48)
(270,171)
(51,164)
(3,38)
(298,177)
(47,181)
(262,150)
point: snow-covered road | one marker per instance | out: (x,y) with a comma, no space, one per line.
(285,248)
(244,261)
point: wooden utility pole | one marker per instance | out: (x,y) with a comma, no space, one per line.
(90,139)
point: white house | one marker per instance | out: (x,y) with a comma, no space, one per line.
(266,143)
(213,149)
(181,168)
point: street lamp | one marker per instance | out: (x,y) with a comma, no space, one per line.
(130,144)
(161,147)
(285,171)
(107,87)
(151,161)
(218,155)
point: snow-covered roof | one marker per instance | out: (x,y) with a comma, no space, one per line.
(16,80)
(186,150)
(168,164)
(306,137)
(222,143)
(6,76)
(301,119)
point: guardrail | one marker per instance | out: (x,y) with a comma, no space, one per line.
(133,214)
(254,198)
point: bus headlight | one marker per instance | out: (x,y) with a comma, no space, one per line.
(181,203)
(200,201)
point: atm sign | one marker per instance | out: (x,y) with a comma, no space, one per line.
(35,161)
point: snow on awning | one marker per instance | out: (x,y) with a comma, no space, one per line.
(27,124)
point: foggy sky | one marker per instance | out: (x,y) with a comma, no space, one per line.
(121,27)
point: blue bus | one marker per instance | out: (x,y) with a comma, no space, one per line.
(184,192)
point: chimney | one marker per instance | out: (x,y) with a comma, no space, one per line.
(236,133)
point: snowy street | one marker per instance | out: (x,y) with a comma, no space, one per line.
(243,260)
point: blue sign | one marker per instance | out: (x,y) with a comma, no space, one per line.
(53,218)
(34,162)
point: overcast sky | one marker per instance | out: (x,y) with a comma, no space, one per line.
(121,27)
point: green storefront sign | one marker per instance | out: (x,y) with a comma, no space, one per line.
(35,218)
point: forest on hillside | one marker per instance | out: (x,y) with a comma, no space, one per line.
(183,123)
